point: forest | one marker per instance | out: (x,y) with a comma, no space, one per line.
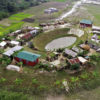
(8,7)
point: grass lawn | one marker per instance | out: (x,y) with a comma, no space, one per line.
(95,12)
(44,38)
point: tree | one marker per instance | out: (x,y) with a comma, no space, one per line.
(74,66)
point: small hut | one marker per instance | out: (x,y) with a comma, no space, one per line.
(85,47)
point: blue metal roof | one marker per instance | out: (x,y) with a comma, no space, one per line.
(27,56)
(84,21)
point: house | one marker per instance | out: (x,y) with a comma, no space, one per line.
(82,60)
(96,32)
(95,28)
(85,47)
(79,60)
(70,53)
(74,61)
(94,37)
(12,50)
(50,10)
(27,36)
(3,44)
(34,32)
(14,43)
(85,23)
(77,49)
(27,58)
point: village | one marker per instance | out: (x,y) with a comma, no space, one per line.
(59,51)
(15,41)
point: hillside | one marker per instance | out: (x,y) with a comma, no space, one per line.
(8,7)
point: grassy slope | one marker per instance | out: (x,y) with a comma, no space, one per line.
(94,10)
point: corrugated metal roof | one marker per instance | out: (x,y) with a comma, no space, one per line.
(86,21)
(27,56)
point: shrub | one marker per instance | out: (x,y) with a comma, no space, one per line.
(2,80)
(34,81)
(74,66)
(18,81)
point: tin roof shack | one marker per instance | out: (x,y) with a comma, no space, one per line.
(70,53)
(50,10)
(76,49)
(96,32)
(34,32)
(95,28)
(78,60)
(3,45)
(82,60)
(85,23)
(14,43)
(12,50)
(27,58)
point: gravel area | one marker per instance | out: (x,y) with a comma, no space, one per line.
(60,43)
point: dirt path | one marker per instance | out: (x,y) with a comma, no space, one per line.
(76,6)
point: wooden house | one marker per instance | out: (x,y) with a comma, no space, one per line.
(27,58)
(85,23)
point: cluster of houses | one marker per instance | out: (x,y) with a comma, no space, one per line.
(50,10)
(14,46)
(25,33)
(72,55)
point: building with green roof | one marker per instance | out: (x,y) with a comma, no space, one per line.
(27,58)
(86,23)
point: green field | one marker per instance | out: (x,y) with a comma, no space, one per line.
(19,16)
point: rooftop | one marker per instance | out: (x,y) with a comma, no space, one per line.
(28,56)
(86,21)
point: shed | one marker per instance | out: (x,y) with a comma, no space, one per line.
(82,60)
(27,58)
(86,23)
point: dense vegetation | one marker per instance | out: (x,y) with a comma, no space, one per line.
(8,7)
